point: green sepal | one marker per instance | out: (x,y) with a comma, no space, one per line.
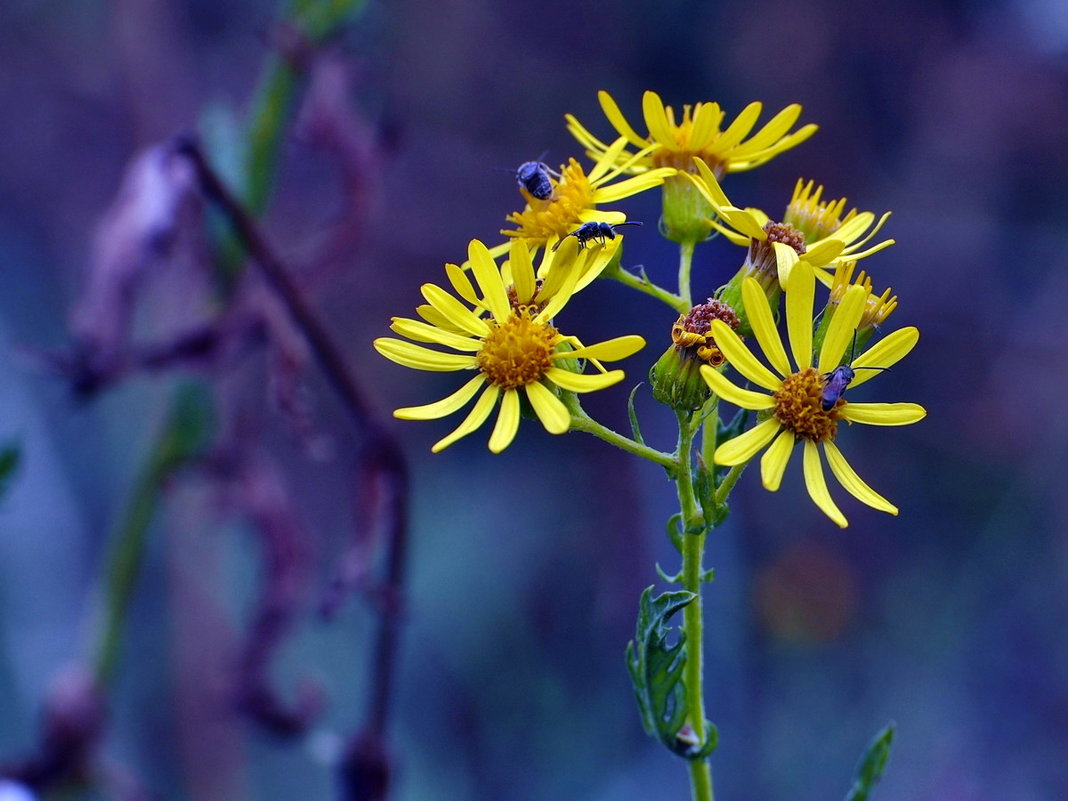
(871,766)
(9,462)
(635,429)
(656,668)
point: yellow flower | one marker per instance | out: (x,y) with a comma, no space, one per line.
(877,307)
(515,348)
(810,230)
(575,198)
(795,405)
(698,133)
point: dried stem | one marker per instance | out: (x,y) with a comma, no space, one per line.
(367,765)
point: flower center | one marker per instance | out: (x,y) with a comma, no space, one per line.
(519,351)
(690,332)
(557,215)
(815,219)
(799,406)
(681,156)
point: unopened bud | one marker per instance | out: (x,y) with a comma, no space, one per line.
(676,377)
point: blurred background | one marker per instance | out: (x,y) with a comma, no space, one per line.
(525,568)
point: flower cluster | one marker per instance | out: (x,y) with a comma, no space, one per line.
(503,328)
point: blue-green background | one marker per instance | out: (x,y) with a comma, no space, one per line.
(526,567)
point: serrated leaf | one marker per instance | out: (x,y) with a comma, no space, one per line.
(871,766)
(656,668)
(9,462)
(635,429)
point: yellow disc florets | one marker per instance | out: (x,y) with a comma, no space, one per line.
(518,351)
(814,219)
(799,406)
(557,215)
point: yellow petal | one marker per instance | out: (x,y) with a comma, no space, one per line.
(656,119)
(773,462)
(744,159)
(618,121)
(610,157)
(549,408)
(799,313)
(420,358)
(853,483)
(507,422)
(462,284)
(885,353)
(711,188)
(435,318)
(741,358)
(775,128)
(744,221)
(823,252)
(584,137)
(740,128)
(817,485)
(631,186)
(706,120)
(489,280)
(477,416)
(883,414)
(761,321)
(593,261)
(841,330)
(578,382)
(454,311)
(445,406)
(745,446)
(742,398)
(785,259)
(421,332)
(609,350)
(562,295)
(522,271)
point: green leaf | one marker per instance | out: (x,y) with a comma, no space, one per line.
(871,766)
(9,462)
(634,428)
(656,671)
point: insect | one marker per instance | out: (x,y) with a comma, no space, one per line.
(534,176)
(599,231)
(836,381)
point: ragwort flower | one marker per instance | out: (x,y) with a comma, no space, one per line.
(576,197)
(795,405)
(514,348)
(698,133)
(809,230)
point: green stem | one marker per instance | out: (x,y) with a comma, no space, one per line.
(685,265)
(729,480)
(694,535)
(580,421)
(643,284)
(184,436)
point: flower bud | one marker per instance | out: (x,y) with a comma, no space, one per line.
(685,211)
(877,308)
(676,377)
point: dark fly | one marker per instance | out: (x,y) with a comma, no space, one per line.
(594,231)
(836,381)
